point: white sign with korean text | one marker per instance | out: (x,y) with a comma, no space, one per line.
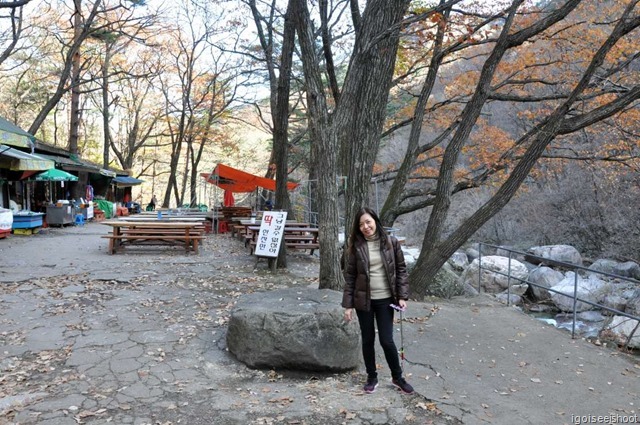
(271,233)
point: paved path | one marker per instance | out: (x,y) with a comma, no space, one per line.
(138,338)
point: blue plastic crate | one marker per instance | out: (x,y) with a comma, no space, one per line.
(27,221)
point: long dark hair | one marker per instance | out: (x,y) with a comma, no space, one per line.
(356,234)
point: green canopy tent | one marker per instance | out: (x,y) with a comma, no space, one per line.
(54,175)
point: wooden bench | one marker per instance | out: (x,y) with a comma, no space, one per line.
(300,242)
(190,243)
(196,232)
(239,231)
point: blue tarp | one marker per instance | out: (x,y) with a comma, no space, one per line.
(126,181)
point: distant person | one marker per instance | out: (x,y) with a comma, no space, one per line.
(375,278)
(152,204)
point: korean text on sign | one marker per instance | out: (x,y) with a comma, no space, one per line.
(271,233)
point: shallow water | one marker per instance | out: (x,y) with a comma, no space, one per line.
(583,328)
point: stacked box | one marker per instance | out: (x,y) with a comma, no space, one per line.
(26,231)
(27,221)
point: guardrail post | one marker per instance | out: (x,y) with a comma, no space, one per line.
(575,304)
(479,266)
(509,280)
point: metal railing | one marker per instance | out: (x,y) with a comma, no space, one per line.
(573,267)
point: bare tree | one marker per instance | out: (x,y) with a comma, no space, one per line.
(125,30)
(16,18)
(84,29)
(196,93)
(324,146)
(13,4)
(437,247)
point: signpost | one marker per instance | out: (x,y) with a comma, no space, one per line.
(271,233)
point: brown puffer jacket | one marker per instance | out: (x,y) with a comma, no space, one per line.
(357,292)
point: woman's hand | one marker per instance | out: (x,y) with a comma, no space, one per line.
(403,304)
(348,314)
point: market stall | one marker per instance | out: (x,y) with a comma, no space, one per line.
(122,190)
(62,212)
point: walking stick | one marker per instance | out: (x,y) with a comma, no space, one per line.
(401,310)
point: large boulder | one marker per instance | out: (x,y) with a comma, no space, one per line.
(495,273)
(544,278)
(294,328)
(513,294)
(633,303)
(626,330)
(447,284)
(591,289)
(561,253)
(459,261)
(627,269)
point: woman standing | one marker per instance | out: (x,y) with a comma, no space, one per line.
(375,277)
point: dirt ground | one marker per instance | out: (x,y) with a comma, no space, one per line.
(61,364)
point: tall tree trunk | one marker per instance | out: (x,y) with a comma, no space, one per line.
(105,105)
(324,145)
(359,116)
(75,79)
(281,124)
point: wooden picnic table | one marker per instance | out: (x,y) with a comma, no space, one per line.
(295,237)
(165,213)
(154,232)
(165,218)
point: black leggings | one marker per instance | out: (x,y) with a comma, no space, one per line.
(381,314)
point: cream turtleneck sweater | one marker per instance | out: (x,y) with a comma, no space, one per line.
(378,281)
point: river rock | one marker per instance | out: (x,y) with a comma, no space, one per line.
(296,329)
(472,253)
(544,277)
(591,289)
(510,299)
(623,327)
(627,269)
(562,253)
(615,302)
(633,305)
(446,284)
(495,271)
(459,261)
